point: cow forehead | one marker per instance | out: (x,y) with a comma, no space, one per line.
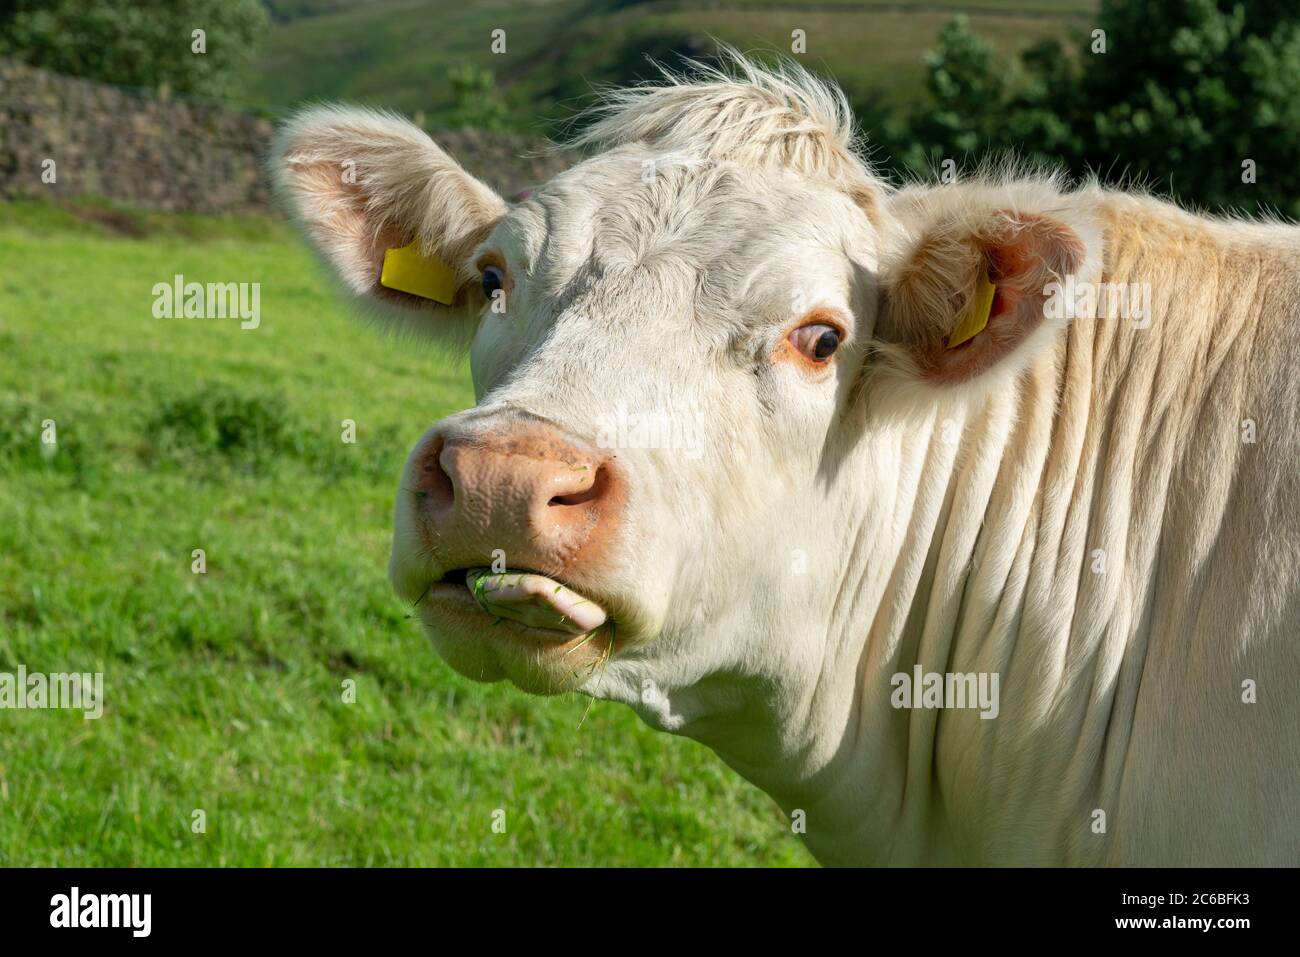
(739,232)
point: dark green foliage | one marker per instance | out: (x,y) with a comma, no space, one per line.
(216,427)
(226,423)
(1185,93)
(22,429)
(141,43)
(475,99)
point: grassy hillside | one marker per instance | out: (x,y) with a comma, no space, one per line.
(224,690)
(397,52)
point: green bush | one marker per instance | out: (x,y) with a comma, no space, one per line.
(1183,94)
(143,43)
(476,102)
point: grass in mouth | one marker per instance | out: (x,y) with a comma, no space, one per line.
(480,590)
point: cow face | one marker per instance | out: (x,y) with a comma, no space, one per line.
(672,354)
(668,351)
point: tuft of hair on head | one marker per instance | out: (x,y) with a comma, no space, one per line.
(767,117)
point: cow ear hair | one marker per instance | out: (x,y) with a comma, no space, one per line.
(394,217)
(967,297)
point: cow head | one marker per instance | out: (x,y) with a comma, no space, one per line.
(694,355)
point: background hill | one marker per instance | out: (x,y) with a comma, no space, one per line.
(1199,99)
(397,52)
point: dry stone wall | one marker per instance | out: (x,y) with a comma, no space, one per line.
(65,137)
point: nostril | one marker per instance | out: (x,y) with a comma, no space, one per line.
(433,481)
(591,493)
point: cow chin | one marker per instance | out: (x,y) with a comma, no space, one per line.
(533,659)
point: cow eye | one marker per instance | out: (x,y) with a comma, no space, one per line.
(817,341)
(493,278)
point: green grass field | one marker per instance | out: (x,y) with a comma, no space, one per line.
(224,691)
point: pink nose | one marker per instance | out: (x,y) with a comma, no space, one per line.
(549,504)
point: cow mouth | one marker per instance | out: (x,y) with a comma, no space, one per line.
(544,606)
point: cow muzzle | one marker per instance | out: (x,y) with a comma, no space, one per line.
(504,532)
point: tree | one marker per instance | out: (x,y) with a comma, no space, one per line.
(144,43)
(1190,90)
(964,83)
(1184,94)
(475,99)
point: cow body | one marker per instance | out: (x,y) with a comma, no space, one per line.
(1098,511)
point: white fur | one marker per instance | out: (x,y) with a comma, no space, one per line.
(840,528)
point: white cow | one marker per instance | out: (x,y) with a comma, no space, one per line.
(963,580)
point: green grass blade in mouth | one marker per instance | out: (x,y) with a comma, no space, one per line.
(533,599)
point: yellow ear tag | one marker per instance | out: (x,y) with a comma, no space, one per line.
(976,317)
(406,269)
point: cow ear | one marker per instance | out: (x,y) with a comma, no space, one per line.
(967,297)
(394,217)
